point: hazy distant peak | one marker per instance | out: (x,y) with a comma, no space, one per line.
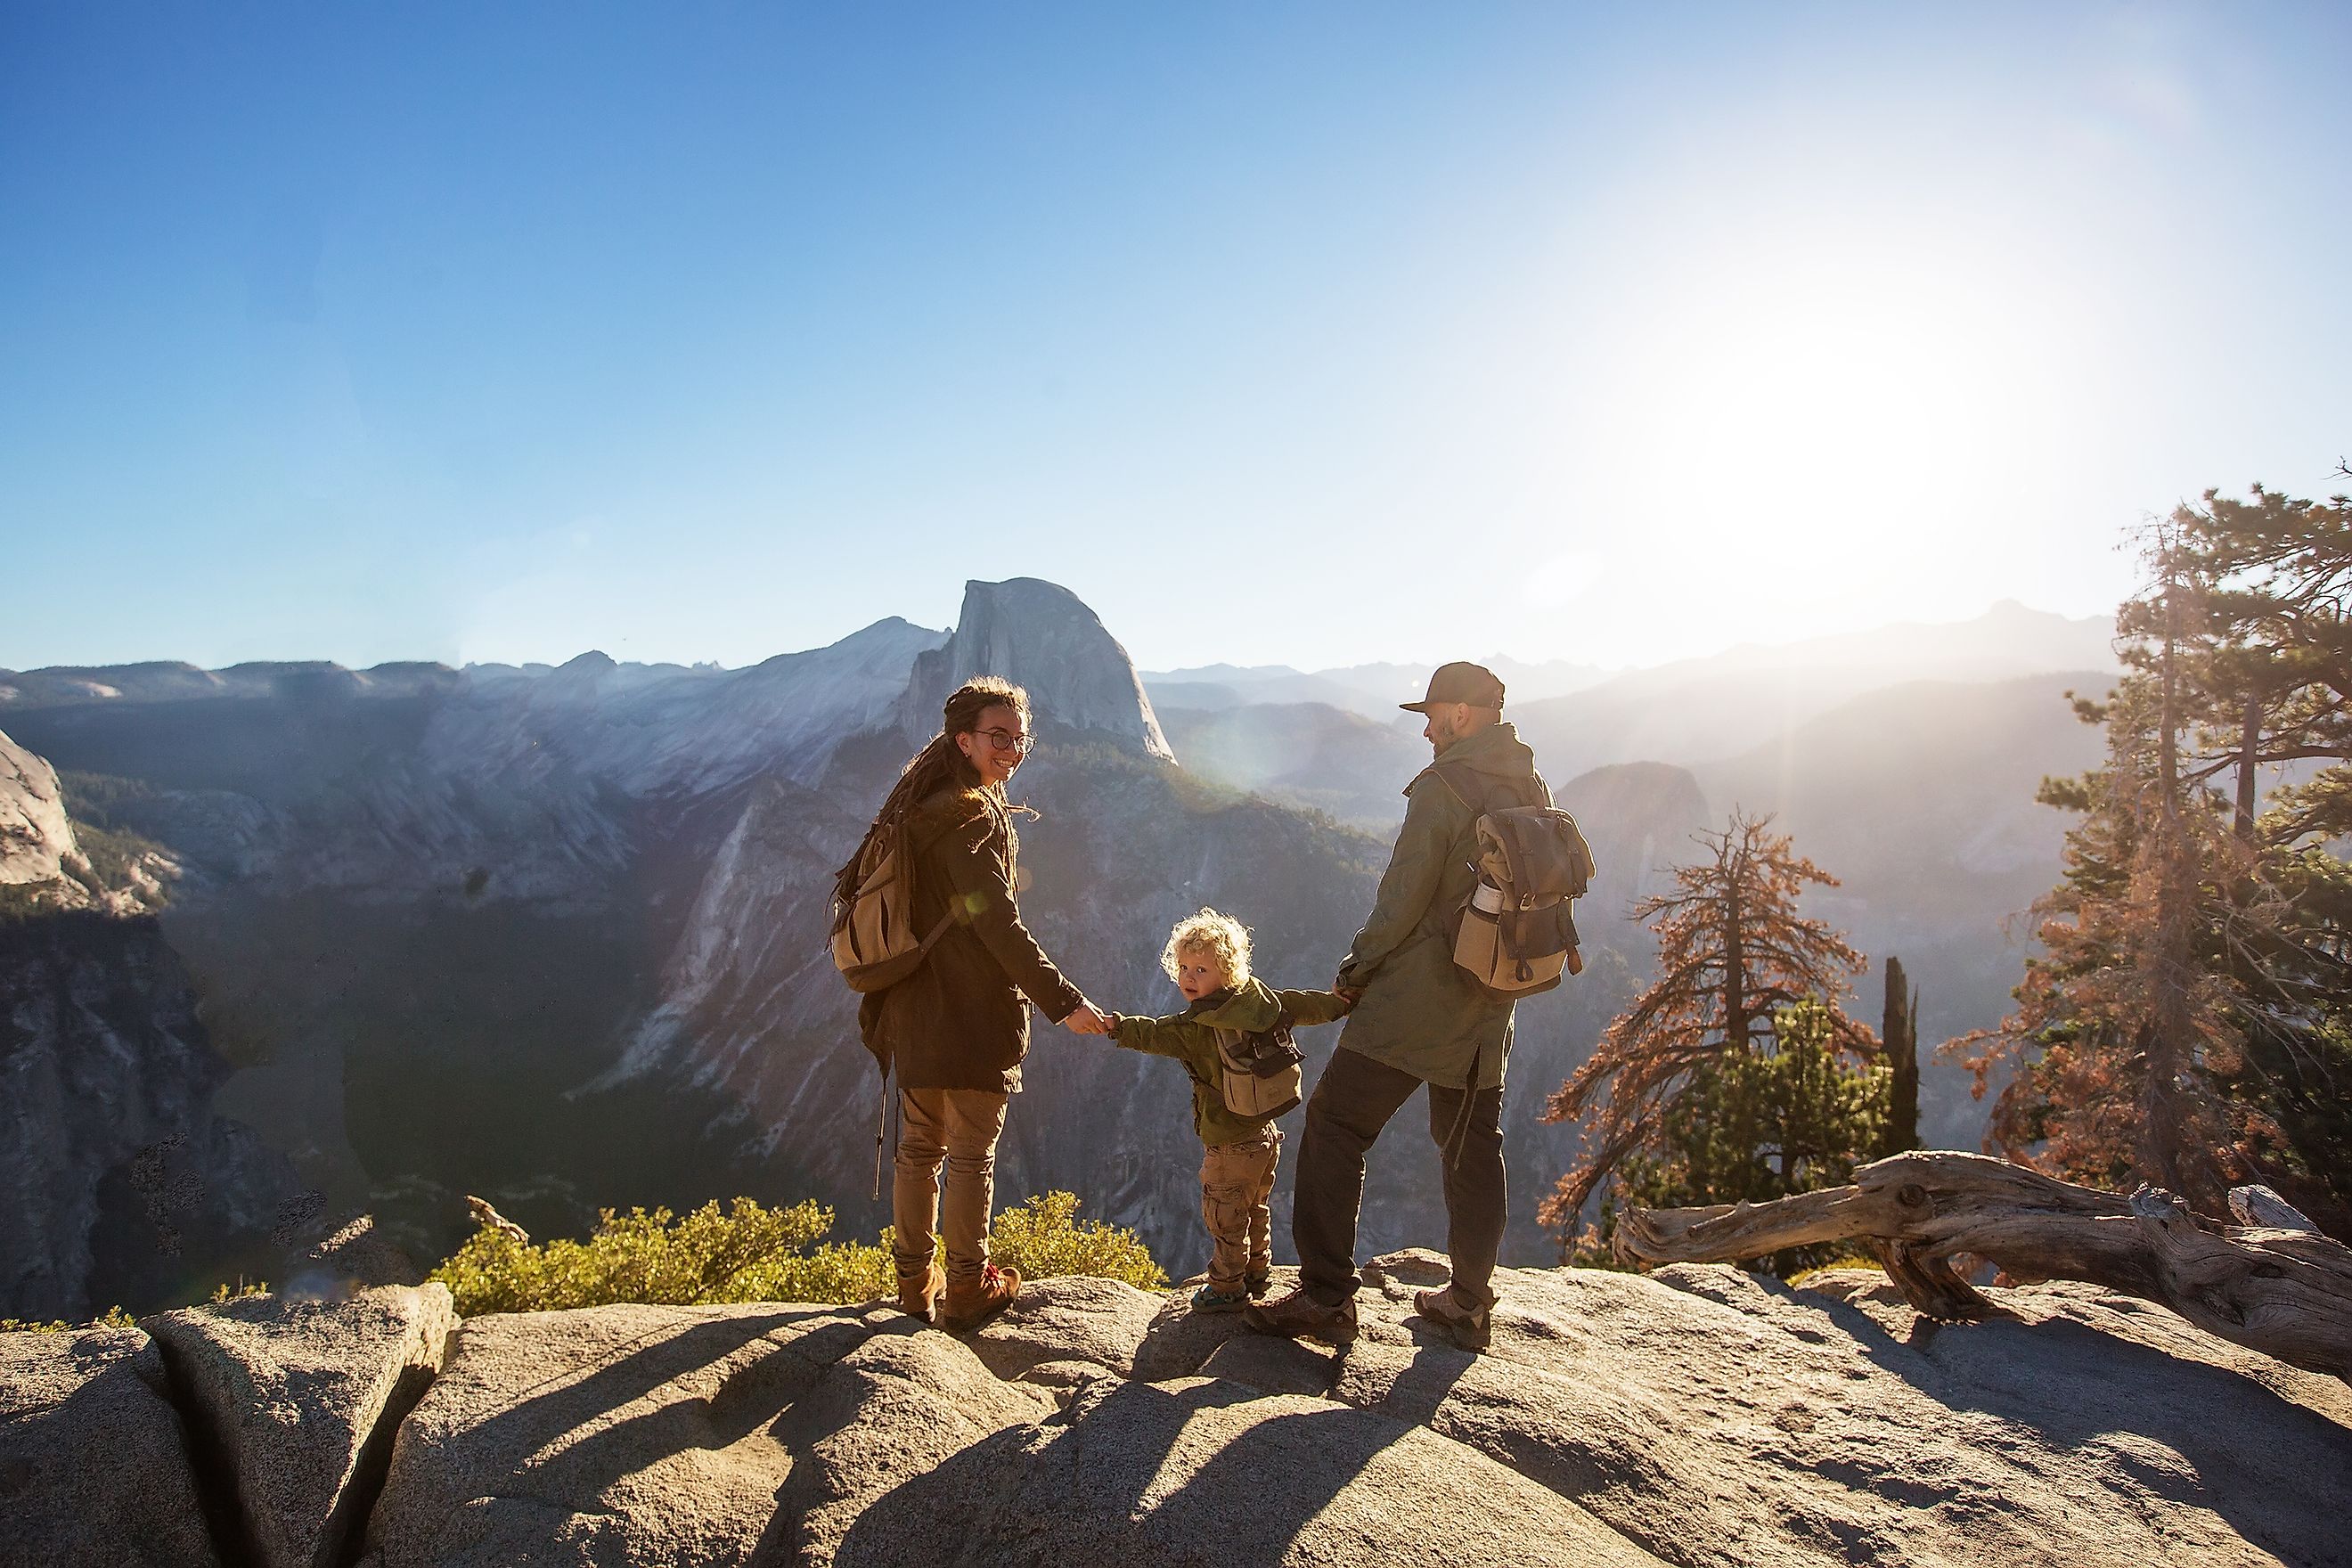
(1372,690)
(892,632)
(2017,609)
(895,626)
(890,646)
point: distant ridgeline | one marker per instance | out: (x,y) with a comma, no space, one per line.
(554,935)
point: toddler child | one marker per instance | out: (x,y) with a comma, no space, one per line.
(1208,956)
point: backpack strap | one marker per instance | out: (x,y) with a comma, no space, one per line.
(1461,783)
(1456,781)
(1229,1058)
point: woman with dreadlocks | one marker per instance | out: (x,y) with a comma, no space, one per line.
(955,1029)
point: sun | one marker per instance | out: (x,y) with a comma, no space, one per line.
(1808,428)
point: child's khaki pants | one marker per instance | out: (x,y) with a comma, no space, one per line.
(1236,1181)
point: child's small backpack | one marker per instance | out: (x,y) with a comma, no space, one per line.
(1262,1076)
(1514,935)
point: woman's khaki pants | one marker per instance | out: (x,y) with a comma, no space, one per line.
(959,1128)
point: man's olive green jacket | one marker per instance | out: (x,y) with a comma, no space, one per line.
(1419,1013)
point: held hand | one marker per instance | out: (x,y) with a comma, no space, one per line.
(1086,1021)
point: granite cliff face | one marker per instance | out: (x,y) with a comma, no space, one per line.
(119,1180)
(1699,1417)
(1044,638)
(37,842)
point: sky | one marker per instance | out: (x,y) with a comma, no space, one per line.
(1277,333)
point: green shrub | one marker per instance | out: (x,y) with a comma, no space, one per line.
(1044,1237)
(753,1253)
(707,1256)
(1836,1260)
(112,1317)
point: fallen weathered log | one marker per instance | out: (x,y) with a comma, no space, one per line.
(2284,1291)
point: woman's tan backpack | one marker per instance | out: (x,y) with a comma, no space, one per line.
(873,940)
(1263,1076)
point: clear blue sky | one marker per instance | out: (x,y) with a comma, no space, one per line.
(1279,332)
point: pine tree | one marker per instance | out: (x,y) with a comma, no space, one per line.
(1733,956)
(2272,679)
(2186,1023)
(1754,1125)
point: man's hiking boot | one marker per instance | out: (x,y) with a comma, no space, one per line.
(1299,1315)
(918,1294)
(1257,1282)
(1209,1299)
(969,1306)
(1470,1328)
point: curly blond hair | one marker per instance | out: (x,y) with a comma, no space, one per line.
(1212,932)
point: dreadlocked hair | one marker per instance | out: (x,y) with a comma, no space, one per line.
(942,764)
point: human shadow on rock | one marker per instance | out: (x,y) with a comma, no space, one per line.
(545,1414)
(1074,1489)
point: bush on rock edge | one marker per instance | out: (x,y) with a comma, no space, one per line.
(752,1252)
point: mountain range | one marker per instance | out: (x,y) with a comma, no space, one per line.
(555,934)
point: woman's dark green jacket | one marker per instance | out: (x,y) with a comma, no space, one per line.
(959,1020)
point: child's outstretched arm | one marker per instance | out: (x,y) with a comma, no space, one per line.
(1155,1037)
(1312,1007)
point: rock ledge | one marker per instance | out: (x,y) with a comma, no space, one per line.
(1701,1415)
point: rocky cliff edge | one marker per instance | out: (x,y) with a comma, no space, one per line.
(37,842)
(1700,1415)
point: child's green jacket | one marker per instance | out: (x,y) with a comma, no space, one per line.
(1190,1037)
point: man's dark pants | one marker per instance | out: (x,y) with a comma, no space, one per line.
(1353,1100)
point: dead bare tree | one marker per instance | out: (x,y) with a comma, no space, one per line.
(1733,952)
(2273,1284)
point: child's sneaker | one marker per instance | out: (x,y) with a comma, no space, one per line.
(1209,1299)
(1257,1282)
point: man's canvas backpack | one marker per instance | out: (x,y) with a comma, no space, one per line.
(1262,1077)
(1514,935)
(873,940)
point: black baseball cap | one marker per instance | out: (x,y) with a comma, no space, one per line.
(1460,683)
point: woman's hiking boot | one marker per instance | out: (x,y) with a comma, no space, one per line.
(1469,1327)
(1299,1315)
(1209,1299)
(969,1306)
(1257,1281)
(918,1294)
